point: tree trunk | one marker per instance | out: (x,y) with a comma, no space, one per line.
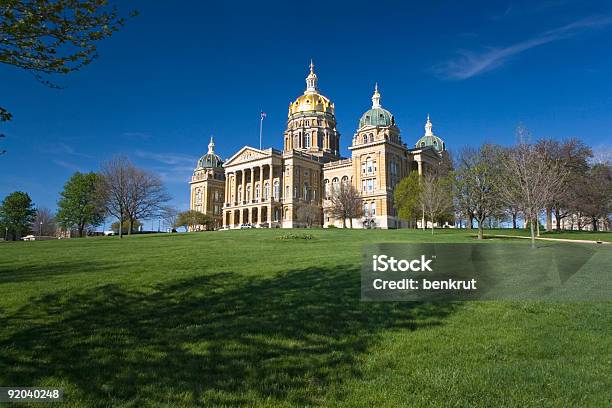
(548,219)
(351,222)
(81,228)
(470,221)
(514,221)
(594,224)
(130,225)
(532,233)
(558,218)
(343,222)
(121,225)
(538,226)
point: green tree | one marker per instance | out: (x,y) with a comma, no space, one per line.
(78,206)
(53,36)
(406,197)
(192,219)
(17,214)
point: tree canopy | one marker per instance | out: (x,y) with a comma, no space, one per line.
(78,206)
(17,213)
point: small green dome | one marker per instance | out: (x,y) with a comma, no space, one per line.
(376,117)
(431,140)
(210,160)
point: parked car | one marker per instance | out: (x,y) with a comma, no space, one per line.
(246,226)
(29,238)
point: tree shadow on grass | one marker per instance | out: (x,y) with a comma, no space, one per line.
(222,339)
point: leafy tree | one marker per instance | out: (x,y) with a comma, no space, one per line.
(309,214)
(53,36)
(192,219)
(406,197)
(78,207)
(17,214)
(596,194)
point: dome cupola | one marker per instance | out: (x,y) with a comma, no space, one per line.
(210,159)
(429,139)
(377,116)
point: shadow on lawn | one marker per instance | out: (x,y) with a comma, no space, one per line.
(220,339)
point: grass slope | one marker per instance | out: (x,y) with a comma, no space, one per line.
(241,318)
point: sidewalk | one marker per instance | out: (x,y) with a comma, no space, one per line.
(583,241)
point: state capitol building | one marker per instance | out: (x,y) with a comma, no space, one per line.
(266,188)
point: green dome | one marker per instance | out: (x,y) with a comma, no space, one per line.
(376,117)
(209,160)
(431,140)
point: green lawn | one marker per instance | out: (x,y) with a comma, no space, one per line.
(591,236)
(241,318)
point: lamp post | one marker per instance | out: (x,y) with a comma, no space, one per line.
(40,229)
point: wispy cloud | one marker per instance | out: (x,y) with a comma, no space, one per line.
(514,10)
(69,166)
(63,149)
(167,158)
(470,63)
(138,135)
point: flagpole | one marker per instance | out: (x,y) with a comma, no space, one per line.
(260,129)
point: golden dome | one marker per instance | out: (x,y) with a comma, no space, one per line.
(311,100)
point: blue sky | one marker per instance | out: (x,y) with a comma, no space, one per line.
(182,71)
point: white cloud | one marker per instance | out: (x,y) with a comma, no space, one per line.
(471,63)
(167,158)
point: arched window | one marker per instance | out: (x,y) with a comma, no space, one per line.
(345,181)
(266,192)
(335,185)
(306,193)
(365,138)
(371,137)
(287,191)
(257,191)
(422,144)
(248,193)
(366,209)
(239,193)
(373,208)
(276,189)
(306,140)
(199,197)
(327,188)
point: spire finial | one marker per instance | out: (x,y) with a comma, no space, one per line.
(428,127)
(211,146)
(311,80)
(376,97)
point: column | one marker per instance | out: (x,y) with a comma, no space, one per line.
(261,182)
(236,187)
(420,165)
(227,189)
(271,192)
(252,183)
(243,188)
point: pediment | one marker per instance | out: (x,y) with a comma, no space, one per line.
(245,154)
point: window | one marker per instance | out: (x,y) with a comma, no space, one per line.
(373,209)
(370,165)
(371,137)
(365,138)
(335,185)
(266,192)
(306,140)
(306,194)
(248,193)
(257,191)
(363,167)
(199,197)
(276,189)
(240,193)
(287,191)
(345,181)
(366,210)
(327,188)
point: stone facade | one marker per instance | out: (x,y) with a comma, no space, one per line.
(208,187)
(266,188)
